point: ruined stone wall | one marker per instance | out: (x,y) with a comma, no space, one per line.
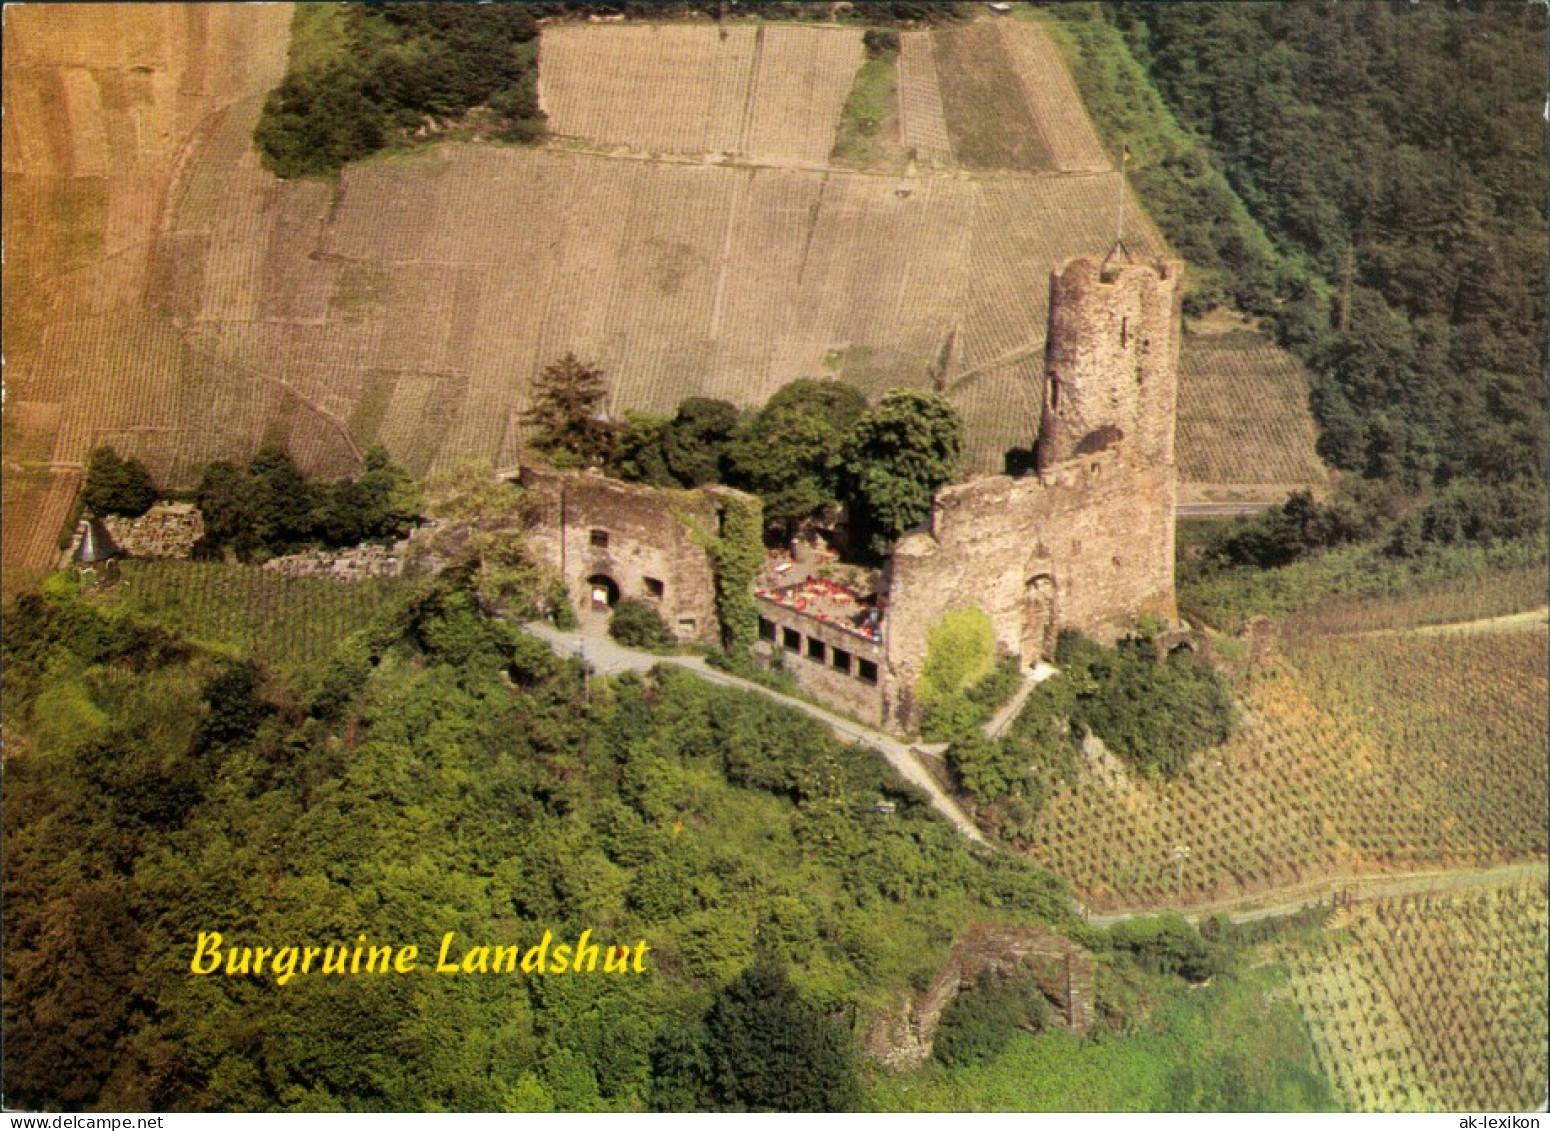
(1088,545)
(1061,970)
(1087,541)
(366,562)
(167,530)
(819,676)
(585,525)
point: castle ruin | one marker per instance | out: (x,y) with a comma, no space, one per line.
(610,540)
(1085,541)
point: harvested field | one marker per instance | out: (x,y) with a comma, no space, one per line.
(1243,413)
(771,92)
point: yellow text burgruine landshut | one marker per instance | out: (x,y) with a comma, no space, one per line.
(283,963)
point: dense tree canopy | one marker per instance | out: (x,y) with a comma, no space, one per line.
(1155,711)
(897,457)
(695,441)
(117,486)
(443,772)
(768,1050)
(270,506)
(788,454)
(1420,214)
(364,75)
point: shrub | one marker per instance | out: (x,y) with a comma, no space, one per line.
(118,486)
(987,769)
(1168,944)
(978,1023)
(636,624)
(1154,712)
(994,689)
(880,43)
(560,609)
(951,717)
(961,650)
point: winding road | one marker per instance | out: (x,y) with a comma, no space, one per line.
(608,657)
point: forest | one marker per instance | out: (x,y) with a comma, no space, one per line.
(444,772)
(1369,179)
(366,76)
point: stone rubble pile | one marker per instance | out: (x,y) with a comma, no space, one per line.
(167,530)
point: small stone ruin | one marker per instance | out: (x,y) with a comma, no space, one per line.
(167,530)
(358,563)
(1062,970)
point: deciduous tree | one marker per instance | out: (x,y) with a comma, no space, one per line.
(898,456)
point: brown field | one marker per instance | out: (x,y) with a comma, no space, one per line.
(1243,413)
(1430,1003)
(103,108)
(1052,99)
(922,121)
(771,92)
(989,119)
(1355,755)
(189,306)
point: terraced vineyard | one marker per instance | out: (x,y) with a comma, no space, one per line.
(1431,1003)
(682,231)
(1243,413)
(771,92)
(989,118)
(922,120)
(283,622)
(1458,601)
(104,104)
(1354,755)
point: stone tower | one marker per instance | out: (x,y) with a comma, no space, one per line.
(1111,362)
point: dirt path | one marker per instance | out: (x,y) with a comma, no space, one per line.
(1009,711)
(1280,902)
(1534,620)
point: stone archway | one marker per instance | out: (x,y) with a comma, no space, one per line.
(1040,621)
(602,592)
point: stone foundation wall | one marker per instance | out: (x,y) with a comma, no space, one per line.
(642,539)
(847,692)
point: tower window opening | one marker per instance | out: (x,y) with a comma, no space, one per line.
(1124,332)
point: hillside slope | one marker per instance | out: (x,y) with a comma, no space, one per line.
(685,230)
